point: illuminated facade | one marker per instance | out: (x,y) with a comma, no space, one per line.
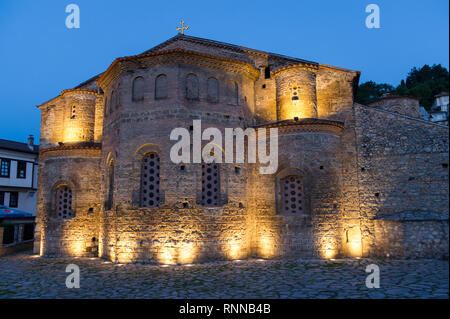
(107,186)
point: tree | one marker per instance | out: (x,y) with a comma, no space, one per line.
(370,91)
(423,83)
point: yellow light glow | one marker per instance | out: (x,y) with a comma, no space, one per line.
(355,249)
(186,253)
(73,134)
(329,253)
(41,248)
(77,248)
(100,249)
(125,257)
(234,249)
(167,256)
(328,250)
(266,247)
(353,240)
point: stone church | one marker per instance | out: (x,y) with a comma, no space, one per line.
(352,180)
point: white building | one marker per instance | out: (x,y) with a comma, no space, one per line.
(18,174)
(439,110)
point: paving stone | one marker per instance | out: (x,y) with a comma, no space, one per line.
(25,276)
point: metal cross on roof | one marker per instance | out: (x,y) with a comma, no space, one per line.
(182,27)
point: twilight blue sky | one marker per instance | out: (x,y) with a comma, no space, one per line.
(39,56)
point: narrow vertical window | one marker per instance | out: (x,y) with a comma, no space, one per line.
(21,169)
(73,112)
(106,107)
(112,101)
(233,93)
(138,89)
(192,87)
(117,98)
(292,195)
(213,90)
(161,87)
(110,198)
(210,184)
(150,196)
(236,94)
(267,72)
(64,202)
(2,198)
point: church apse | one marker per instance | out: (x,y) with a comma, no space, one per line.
(106,146)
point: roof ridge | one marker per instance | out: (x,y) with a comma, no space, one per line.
(225,44)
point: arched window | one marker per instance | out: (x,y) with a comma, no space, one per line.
(138,89)
(213,90)
(236,94)
(210,184)
(112,101)
(110,186)
(191,87)
(292,196)
(117,98)
(161,87)
(150,180)
(233,91)
(106,106)
(63,202)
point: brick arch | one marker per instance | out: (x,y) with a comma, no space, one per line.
(142,150)
(209,149)
(54,202)
(108,158)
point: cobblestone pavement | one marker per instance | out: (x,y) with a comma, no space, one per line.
(27,276)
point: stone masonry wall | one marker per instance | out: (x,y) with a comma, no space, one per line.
(80,170)
(399,104)
(180,229)
(403,184)
(317,231)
